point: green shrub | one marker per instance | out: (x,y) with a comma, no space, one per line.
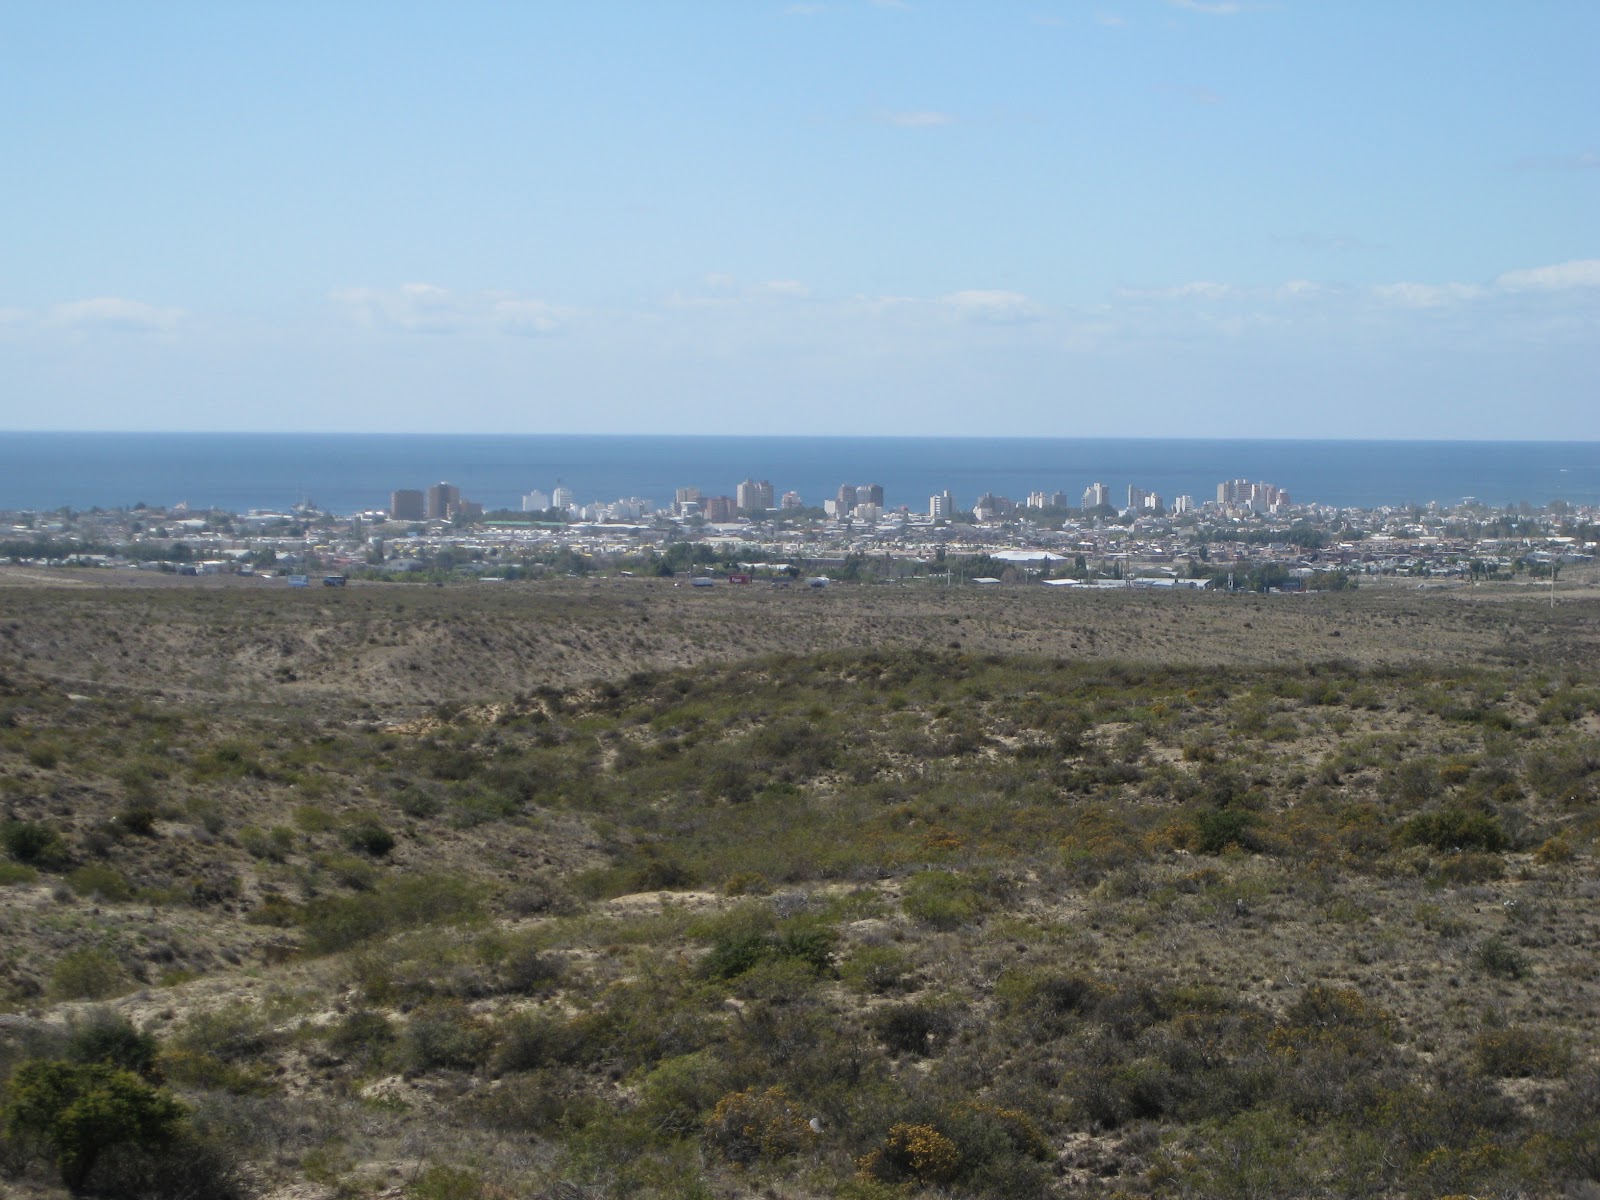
(367,835)
(273,844)
(1470,867)
(311,818)
(89,973)
(13,873)
(80,1110)
(35,844)
(103,1036)
(363,1035)
(355,873)
(274,910)
(44,755)
(138,820)
(197,1069)
(529,1041)
(444,1037)
(527,970)
(550,1102)
(540,896)
(232,1033)
(99,882)
(739,947)
(440,1182)
(876,969)
(746,883)
(418,804)
(1521,1053)
(662,875)
(944,900)
(1217,829)
(676,1096)
(337,923)
(1498,957)
(1455,828)
(918,1028)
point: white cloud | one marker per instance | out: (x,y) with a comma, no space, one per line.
(428,308)
(997,307)
(726,292)
(1578,273)
(919,119)
(1211,8)
(1426,295)
(413,307)
(528,318)
(1109,19)
(1200,289)
(111,312)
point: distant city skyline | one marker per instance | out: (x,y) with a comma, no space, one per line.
(1121,218)
(349,472)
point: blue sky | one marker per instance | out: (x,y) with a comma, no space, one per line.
(1117,218)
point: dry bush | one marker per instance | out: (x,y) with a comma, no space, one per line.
(750,1126)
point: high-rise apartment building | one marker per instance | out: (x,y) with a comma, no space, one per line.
(942,507)
(845,500)
(535,501)
(754,495)
(1257,497)
(408,504)
(793,500)
(562,497)
(870,493)
(1095,495)
(719,508)
(444,499)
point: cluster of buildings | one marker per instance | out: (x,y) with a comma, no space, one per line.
(1242,496)
(441,502)
(1248,530)
(751,498)
(1233,498)
(861,502)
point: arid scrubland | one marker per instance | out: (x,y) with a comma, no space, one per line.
(616,889)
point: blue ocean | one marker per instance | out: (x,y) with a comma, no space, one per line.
(351,472)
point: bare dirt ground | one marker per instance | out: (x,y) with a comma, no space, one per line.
(387,646)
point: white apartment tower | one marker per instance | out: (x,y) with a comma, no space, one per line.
(754,495)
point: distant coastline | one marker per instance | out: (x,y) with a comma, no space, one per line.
(350,472)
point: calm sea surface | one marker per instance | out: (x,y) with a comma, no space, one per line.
(350,472)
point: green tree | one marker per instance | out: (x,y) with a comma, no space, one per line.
(80,1110)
